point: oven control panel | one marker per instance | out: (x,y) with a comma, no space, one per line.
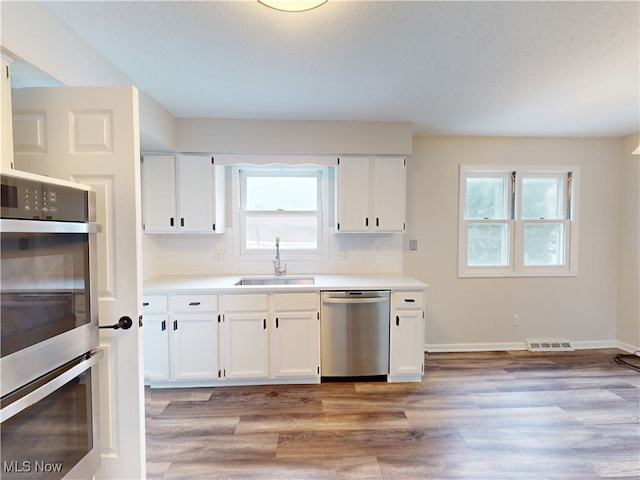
(27,199)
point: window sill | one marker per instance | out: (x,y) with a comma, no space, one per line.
(519,274)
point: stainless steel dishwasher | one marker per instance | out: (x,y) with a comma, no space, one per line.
(355,333)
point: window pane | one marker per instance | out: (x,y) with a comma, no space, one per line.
(282,193)
(488,244)
(295,231)
(542,198)
(486,198)
(544,244)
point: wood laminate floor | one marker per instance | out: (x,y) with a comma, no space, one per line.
(490,415)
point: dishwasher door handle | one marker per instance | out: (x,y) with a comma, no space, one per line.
(342,300)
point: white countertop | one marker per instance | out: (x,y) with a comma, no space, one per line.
(227,283)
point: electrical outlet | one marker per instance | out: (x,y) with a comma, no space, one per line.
(219,255)
(516,320)
(413,244)
(344,254)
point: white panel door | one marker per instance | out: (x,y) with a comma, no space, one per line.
(91,135)
(6,125)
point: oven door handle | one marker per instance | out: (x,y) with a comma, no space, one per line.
(35,391)
(43,226)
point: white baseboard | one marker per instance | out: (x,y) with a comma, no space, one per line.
(473,347)
(626,347)
(489,347)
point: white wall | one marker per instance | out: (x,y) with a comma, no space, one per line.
(628,321)
(32,32)
(293,137)
(477,313)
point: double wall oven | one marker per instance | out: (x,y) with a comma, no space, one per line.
(49,329)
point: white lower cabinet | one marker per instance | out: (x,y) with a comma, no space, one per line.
(271,336)
(245,337)
(155,338)
(180,338)
(295,338)
(254,338)
(156,348)
(406,350)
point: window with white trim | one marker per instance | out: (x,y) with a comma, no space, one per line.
(518,222)
(284,202)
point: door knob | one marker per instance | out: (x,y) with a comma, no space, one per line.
(124,323)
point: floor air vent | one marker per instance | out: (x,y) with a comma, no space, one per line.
(549,346)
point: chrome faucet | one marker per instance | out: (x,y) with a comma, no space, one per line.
(276,261)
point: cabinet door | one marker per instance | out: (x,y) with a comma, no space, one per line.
(194,347)
(389,180)
(296,345)
(406,349)
(352,195)
(196,193)
(246,345)
(156,348)
(159,193)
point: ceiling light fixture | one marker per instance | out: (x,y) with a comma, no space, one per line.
(292,5)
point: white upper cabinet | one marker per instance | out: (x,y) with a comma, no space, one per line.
(389,194)
(182,194)
(370,195)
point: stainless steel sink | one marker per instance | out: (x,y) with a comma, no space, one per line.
(276,281)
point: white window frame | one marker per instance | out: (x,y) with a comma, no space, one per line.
(515,266)
(239,174)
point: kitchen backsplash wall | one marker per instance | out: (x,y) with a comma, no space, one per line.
(214,255)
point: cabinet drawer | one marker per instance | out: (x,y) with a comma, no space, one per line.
(282,302)
(194,303)
(248,302)
(154,303)
(408,300)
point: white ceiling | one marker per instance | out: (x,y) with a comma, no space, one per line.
(452,68)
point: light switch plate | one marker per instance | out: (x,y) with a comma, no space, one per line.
(413,244)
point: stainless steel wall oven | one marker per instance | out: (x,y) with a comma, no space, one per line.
(48,328)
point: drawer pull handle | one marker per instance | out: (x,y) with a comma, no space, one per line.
(164,325)
(194,304)
(264,324)
(409,300)
(277,322)
(175,324)
(397,321)
(145,304)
